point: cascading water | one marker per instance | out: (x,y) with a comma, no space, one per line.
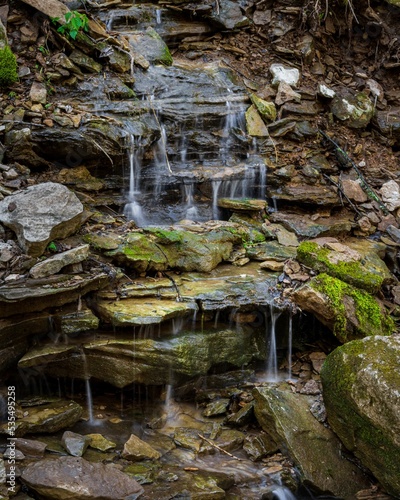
(133,210)
(272,362)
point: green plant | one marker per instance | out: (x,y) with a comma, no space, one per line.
(74,23)
(8,67)
(12,95)
(44,50)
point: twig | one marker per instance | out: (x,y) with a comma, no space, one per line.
(98,145)
(346,161)
(343,194)
(218,447)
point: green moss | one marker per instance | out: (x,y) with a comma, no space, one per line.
(369,313)
(353,272)
(8,67)
(166,236)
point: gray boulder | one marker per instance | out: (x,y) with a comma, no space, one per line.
(73,477)
(361,383)
(41,213)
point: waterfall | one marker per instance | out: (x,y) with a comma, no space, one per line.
(158,16)
(89,400)
(283,493)
(133,210)
(215,189)
(272,362)
(290,337)
(191,211)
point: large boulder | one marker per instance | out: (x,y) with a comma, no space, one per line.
(74,477)
(286,417)
(358,265)
(349,312)
(40,214)
(361,383)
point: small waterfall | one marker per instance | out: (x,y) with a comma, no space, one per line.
(215,189)
(158,16)
(110,21)
(290,337)
(191,211)
(282,493)
(133,210)
(262,181)
(89,400)
(272,362)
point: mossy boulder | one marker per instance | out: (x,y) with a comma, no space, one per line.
(150,45)
(266,108)
(362,270)
(158,249)
(355,110)
(361,383)
(315,449)
(349,312)
(8,67)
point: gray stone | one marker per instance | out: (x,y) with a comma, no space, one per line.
(3,36)
(315,449)
(360,384)
(151,46)
(55,263)
(75,444)
(41,213)
(229,15)
(38,93)
(31,447)
(73,477)
(356,110)
(390,193)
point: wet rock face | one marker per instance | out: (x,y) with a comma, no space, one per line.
(66,477)
(286,417)
(363,406)
(40,214)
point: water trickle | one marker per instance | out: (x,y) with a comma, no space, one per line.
(191,211)
(283,493)
(133,210)
(290,336)
(272,362)
(89,400)
(158,16)
(215,190)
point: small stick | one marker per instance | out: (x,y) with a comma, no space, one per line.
(219,448)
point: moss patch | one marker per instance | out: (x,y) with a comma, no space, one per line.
(359,273)
(372,318)
(8,67)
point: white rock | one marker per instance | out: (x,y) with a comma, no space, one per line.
(390,193)
(291,76)
(325,91)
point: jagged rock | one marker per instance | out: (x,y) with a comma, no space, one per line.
(30,447)
(360,267)
(355,110)
(313,447)
(266,109)
(246,205)
(38,93)
(229,15)
(41,213)
(72,323)
(54,264)
(75,444)
(217,407)
(363,407)
(388,124)
(49,417)
(111,359)
(255,124)
(325,91)
(52,8)
(349,312)
(279,73)
(285,93)
(84,61)
(99,442)
(136,449)
(270,250)
(3,36)
(353,190)
(151,46)
(63,477)
(390,193)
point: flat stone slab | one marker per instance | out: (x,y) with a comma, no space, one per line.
(242,204)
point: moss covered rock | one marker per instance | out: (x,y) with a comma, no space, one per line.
(349,312)
(8,67)
(362,270)
(361,383)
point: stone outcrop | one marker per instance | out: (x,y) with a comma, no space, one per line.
(360,381)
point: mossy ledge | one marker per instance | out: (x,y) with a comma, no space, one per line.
(371,316)
(354,272)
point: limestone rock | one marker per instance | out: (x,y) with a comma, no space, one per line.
(254,123)
(49,417)
(75,444)
(30,447)
(73,477)
(38,93)
(363,269)
(135,449)
(242,205)
(349,312)
(150,45)
(286,93)
(388,124)
(41,213)
(229,15)
(55,263)
(279,73)
(353,190)
(266,109)
(286,417)
(270,250)
(99,442)
(84,61)
(390,193)
(359,381)
(355,110)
